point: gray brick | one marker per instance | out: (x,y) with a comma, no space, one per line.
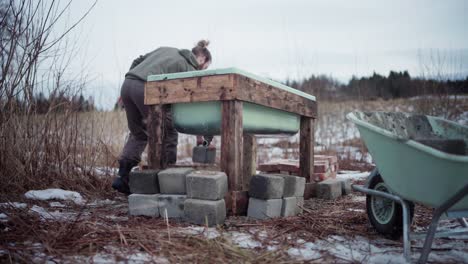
(289,206)
(345,186)
(173,204)
(203,154)
(204,212)
(300,204)
(172,181)
(144,182)
(264,209)
(207,185)
(143,204)
(329,189)
(264,186)
(293,185)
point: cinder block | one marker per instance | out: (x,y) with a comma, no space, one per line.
(310,190)
(172,181)
(293,185)
(206,185)
(345,186)
(300,205)
(143,204)
(144,182)
(289,206)
(204,212)
(264,186)
(329,189)
(172,204)
(263,209)
(203,154)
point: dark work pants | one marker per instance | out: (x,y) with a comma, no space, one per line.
(132,94)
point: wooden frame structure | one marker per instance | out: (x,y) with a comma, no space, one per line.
(232,90)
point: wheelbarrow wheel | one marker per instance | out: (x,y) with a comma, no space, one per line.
(385,215)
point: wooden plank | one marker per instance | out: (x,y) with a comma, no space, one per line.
(254,91)
(250,159)
(197,89)
(156,148)
(306,148)
(232,143)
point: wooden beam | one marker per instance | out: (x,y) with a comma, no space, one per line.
(306,148)
(156,148)
(232,143)
(250,159)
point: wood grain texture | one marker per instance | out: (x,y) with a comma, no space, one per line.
(156,148)
(306,148)
(250,159)
(232,143)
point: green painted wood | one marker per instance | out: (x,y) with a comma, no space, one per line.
(204,118)
(412,170)
(190,74)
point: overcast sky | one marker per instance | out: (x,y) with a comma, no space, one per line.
(278,39)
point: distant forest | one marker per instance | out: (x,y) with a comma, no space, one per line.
(395,85)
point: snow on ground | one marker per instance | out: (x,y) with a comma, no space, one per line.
(244,240)
(13,204)
(207,232)
(55,194)
(53,215)
(353,175)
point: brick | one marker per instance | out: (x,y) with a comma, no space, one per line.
(293,185)
(264,186)
(173,204)
(203,154)
(204,212)
(289,206)
(300,205)
(144,182)
(143,204)
(206,185)
(310,190)
(329,189)
(172,181)
(264,209)
(345,186)
(321,167)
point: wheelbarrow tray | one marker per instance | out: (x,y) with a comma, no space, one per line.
(204,118)
(414,171)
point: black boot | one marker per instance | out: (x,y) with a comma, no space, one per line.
(121,183)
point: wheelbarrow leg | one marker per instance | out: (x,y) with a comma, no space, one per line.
(435,221)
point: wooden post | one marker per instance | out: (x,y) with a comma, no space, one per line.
(155,128)
(250,159)
(232,143)
(306,148)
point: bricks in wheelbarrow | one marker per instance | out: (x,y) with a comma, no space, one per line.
(264,186)
(329,189)
(144,182)
(264,209)
(143,204)
(206,185)
(172,181)
(204,212)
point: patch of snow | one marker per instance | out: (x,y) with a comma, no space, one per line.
(208,233)
(357,210)
(57,194)
(101,202)
(244,240)
(358,198)
(14,204)
(352,175)
(56,204)
(49,215)
(3,216)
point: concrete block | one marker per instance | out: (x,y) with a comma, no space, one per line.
(172,204)
(263,209)
(143,204)
(329,189)
(345,186)
(204,212)
(264,186)
(293,185)
(172,181)
(300,205)
(144,182)
(310,190)
(289,206)
(203,154)
(206,185)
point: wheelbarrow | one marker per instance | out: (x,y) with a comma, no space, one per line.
(420,159)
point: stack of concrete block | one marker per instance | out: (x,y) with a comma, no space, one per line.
(144,188)
(266,193)
(172,184)
(331,189)
(293,195)
(205,203)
